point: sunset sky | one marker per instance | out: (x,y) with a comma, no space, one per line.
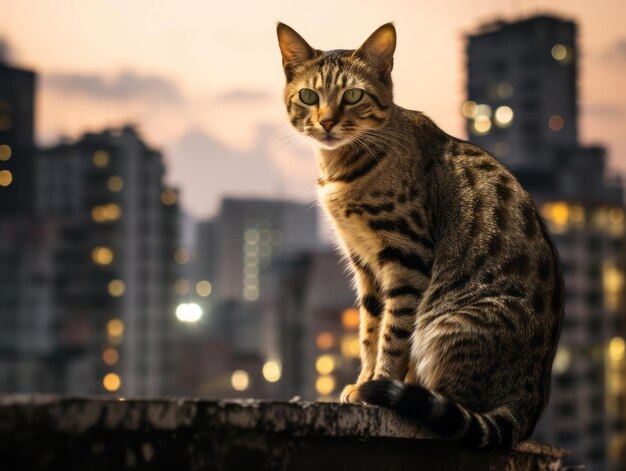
(203,79)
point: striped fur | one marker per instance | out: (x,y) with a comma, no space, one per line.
(459,285)
(493,430)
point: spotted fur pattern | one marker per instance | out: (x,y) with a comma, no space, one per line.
(459,285)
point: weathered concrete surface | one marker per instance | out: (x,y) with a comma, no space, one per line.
(47,433)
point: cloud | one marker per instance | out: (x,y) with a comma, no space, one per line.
(616,53)
(605,110)
(209,170)
(124,86)
(243,95)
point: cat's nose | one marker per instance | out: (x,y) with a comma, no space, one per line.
(328,123)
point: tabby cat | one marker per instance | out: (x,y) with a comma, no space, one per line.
(459,285)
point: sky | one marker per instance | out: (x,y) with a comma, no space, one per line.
(202,79)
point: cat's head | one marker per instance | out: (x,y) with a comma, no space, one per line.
(338,97)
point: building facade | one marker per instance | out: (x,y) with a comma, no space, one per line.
(248,234)
(115,267)
(522,105)
(17,95)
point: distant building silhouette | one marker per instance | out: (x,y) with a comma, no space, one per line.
(236,253)
(310,306)
(248,234)
(17,95)
(109,268)
(25,347)
(522,106)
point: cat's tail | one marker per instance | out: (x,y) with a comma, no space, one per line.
(450,420)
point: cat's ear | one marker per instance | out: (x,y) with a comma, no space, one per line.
(378,49)
(293,48)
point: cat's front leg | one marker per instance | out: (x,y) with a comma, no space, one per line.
(403,293)
(370,310)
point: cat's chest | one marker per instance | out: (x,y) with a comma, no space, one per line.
(352,223)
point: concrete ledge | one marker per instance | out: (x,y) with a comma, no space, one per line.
(40,432)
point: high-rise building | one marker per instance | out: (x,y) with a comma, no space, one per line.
(22,358)
(235,253)
(115,267)
(522,106)
(248,234)
(310,325)
(522,98)
(17,90)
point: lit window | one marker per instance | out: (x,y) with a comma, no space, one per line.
(350,318)
(102,255)
(6,178)
(5,122)
(556,123)
(271,371)
(616,222)
(251,249)
(557,215)
(616,349)
(112,211)
(115,328)
(350,346)
(251,271)
(100,158)
(106,213)
(116,288)
(503,116)
(482,125)
(182,287)
(251,293)
(112,382)
(168,197)
(251,282)
(115,184)
(252,236)
(251,259)
(5,152)
(110,356)
(325,385)
(204,288)
(240,380)
(613,284)
(188,312)
(325,364)
(325,341)
(181,256)
(560,52)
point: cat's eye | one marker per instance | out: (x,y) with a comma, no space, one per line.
(308,96)
(352,96)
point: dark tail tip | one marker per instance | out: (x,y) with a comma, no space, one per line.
(382,392)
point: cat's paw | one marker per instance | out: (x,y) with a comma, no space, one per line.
(350,394)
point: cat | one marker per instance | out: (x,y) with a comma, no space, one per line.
(459,284)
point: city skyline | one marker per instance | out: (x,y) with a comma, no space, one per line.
(102,291)
(204,83)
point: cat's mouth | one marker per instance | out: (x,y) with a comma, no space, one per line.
(330,141)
